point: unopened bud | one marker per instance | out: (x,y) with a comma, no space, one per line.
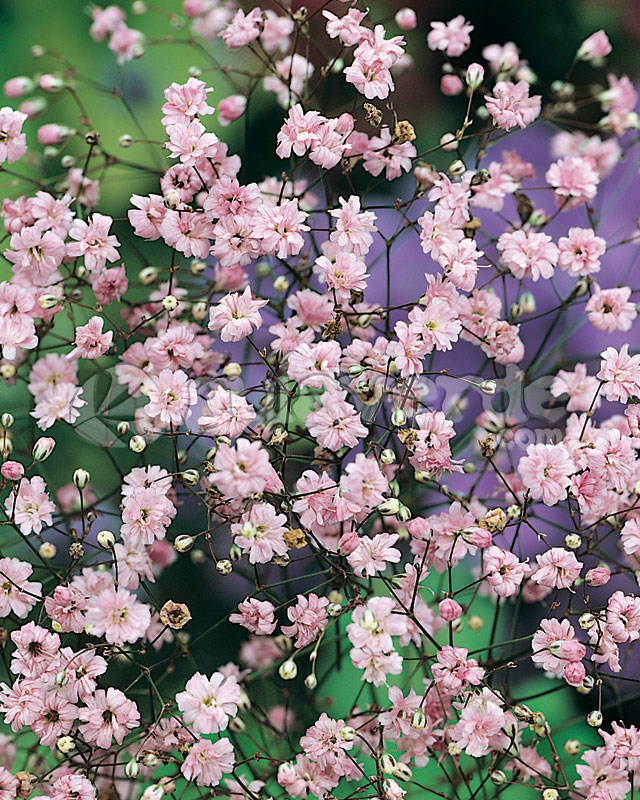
(65,745)
(81,478)
(347,734)
(148,275)
(594,718)
(232,370)
(47,550)
(183,543)
(137,443)
(288,670)
(224,566)
(132,768)
(311,681)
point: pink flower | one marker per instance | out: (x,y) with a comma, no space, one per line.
(170,394)
(280,228)
(545,471)
(323,743)
(108,715)
(452,37)
(13,143)
(309,618)
(610,309)
(241,470)
(208,761)
(109,285)
(207,704)
(594,47)
(336,423)
(236,316)
(621,374)
(18,594)
(574,180)
(374,553)
(147,215)
(256,616)
(243,28)
(260,533)
(226,413)
(580,387)
(557,568)
(72,787)
(118,616)
(90,341)
(189,141)
(580,251)
(36,255)
(36,651)
(454,671)
(528,254)
(231,108)
(511,106)
(504,571)
(93,241)
(30,507)
(184,101)
(353,227)
(480,725)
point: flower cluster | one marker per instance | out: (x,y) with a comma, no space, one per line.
(361,421)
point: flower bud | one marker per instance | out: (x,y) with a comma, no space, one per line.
(550,794)
(199,310)
(224,566)
(389,507)
(402,772)
(497,777)
(488,387)
(183,543)
(594,718)
(12,470)
(66,745)
(347,734)
(232,370)
(281,283)
(170,302)
(598,576)
(47,550)
(191,477)
(418,720)
(387,763)
(7,420)
(137,443)
(61,678)
(81,478)
(406,19)
(43,448)
(311,681)
(288,670)
(457,168)
(123,427)
(572,747)
(474,75)
(398,417)
(586,621)
(449,609)
(132,768)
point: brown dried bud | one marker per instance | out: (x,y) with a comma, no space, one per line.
(472,227)
(404,131)
(487,446)
(26,783)
(4,637)
(174,615)
(332,328)
(295,538)
(76,550)
(372,114)
(408,437)
(494,520)
(525,206)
